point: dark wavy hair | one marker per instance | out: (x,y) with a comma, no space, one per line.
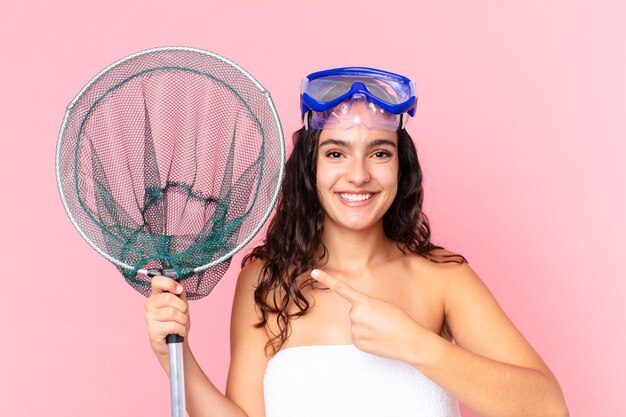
(293,244)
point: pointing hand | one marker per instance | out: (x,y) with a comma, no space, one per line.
(379,326)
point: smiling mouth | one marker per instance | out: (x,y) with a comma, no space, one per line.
(356,197)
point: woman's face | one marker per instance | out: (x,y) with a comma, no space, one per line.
(357,174)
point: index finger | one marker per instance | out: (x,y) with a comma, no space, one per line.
(161,283)
(339,286)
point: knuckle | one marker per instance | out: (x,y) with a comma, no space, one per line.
(356,312)
(164,314)
(170,298)
(364,307)
(171,327)
(165,299)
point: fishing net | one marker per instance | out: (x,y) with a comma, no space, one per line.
(170,159)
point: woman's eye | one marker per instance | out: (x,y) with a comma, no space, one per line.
(334,154)
(382,154)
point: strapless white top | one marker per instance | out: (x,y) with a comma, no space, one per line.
(344,381)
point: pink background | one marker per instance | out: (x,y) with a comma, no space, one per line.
(520,128)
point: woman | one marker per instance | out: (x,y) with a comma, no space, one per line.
(348,309)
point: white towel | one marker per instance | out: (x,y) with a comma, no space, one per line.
(343,381)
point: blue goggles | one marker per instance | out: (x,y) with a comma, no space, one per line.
(323,90)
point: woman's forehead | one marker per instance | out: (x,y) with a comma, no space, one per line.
(358,135)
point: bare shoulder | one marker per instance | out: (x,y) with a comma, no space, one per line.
(443,260)
(250,274)
(432,273)
(438,266)
(249,280)
(478,323)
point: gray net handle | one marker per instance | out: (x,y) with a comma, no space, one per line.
(175,355)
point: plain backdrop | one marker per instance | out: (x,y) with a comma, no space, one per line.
(520,129)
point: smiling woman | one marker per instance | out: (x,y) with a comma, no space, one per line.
(357,304)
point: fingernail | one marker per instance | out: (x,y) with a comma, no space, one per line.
(179,289)
(315,273)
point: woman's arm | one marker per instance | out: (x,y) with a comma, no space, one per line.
(166,313)
(247,356)
(202,397)
(244,387)
(492,368)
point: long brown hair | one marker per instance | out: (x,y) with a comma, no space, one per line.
(293,243)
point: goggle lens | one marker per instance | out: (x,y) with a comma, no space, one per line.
(342,116)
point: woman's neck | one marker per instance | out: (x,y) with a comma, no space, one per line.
(353,251)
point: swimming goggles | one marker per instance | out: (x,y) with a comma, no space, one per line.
(329,96)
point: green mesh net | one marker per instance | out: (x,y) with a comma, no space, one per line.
(170,159)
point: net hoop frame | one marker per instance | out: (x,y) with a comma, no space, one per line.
(227,61)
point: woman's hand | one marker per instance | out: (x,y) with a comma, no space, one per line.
(166,313)
(379,327)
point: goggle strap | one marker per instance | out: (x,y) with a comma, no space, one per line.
(306,120)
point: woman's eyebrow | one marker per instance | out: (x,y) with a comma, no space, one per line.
(336,142)
(381,142)
(342,143)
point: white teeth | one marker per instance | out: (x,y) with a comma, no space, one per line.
(355,197)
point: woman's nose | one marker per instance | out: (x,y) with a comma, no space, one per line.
(357,171)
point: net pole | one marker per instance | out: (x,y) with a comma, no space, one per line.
(175,356)
(177,376)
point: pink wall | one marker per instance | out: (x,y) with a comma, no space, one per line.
(520,127)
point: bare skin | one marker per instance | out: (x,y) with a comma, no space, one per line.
(412,283)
